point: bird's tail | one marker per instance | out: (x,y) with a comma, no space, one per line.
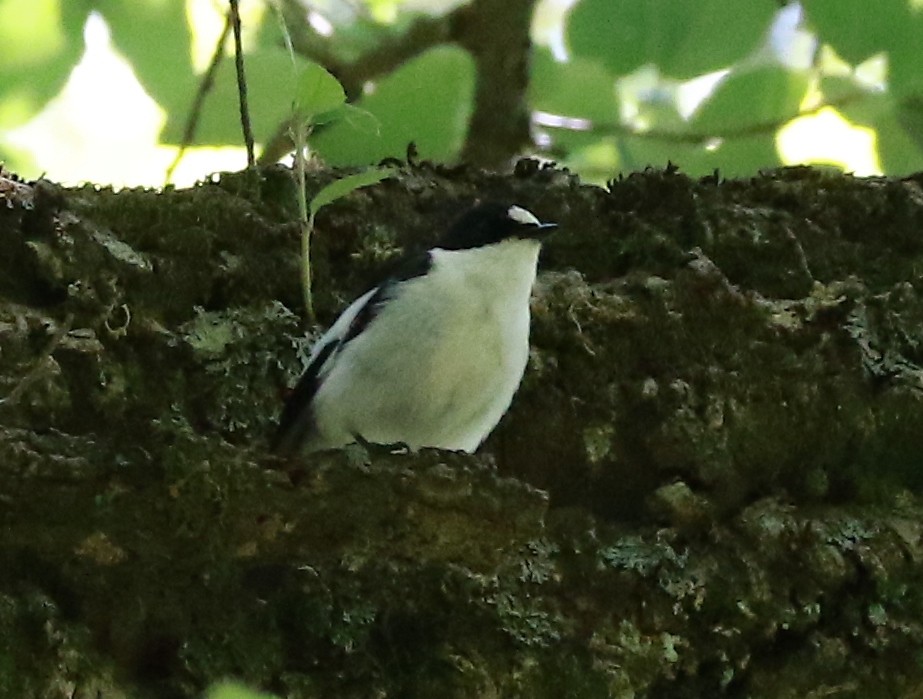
(295,431)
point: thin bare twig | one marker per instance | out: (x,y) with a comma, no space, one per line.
(205,86)
(694,138)
(242,83)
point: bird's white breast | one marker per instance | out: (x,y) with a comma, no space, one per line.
(440,363)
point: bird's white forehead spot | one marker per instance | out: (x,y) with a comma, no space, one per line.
(520,215)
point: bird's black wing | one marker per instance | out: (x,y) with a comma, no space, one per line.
(296,421)
(407,268)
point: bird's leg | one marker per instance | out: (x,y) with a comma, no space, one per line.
(362,441)
(391,448)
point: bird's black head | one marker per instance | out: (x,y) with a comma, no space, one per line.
(492,222)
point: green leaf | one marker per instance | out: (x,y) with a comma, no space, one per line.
(428,101)
(682,38)
(910,116)
(357,118)
(857,29)
(273,84)
(329,194)
(330,116)
(639,152)
(750,97)
(579,88)
(838,88)
(905,57)
(316,91)
(343,186)
(736,157)
(900,147)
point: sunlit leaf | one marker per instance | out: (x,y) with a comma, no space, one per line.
(41,43)
(156,39)
(31,33)
(900,150)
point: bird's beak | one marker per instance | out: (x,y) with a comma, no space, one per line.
(541,230)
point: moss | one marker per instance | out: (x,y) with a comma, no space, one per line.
(708,483)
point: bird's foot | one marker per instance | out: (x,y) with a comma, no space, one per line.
(373,447)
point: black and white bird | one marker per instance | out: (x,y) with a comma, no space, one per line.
(432,356)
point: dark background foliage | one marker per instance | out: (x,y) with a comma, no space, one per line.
(608,86)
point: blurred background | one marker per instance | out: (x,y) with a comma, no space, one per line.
(104,91)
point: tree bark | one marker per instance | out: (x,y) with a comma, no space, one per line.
(708,484)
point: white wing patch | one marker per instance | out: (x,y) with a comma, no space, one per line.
(520,215)
(337,332)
